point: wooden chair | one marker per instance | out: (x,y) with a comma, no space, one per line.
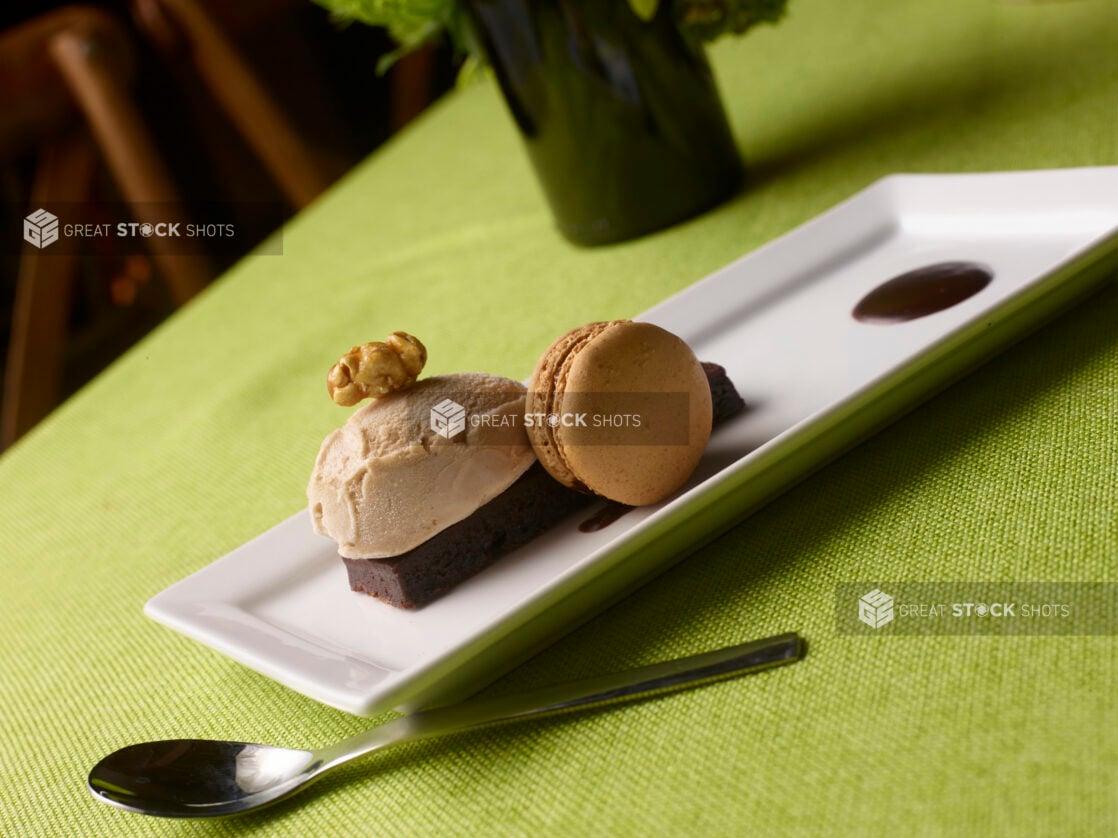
(78,60)
(64,88)
(187,29)
(184,27)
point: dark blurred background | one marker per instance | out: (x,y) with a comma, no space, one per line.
(240,110)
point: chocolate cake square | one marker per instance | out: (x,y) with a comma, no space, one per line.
(534,503)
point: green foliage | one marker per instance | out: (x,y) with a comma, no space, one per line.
(708,19)
(644,9)
(412,23)
(405,15)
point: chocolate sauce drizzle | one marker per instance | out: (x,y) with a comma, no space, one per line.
(605,516)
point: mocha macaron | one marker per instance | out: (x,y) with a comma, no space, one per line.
(621,409)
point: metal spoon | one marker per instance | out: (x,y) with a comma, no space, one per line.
(198,778)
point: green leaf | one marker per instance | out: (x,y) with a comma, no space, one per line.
(644,9)
(709,19)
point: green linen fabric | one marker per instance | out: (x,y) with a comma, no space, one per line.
(203,436)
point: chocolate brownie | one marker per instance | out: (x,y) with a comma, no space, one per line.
(724,397)
(531,505)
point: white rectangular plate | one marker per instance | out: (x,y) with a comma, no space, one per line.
(816,381)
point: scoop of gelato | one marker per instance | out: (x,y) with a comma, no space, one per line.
(416,461)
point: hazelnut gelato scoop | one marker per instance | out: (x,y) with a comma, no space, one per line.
(416,461)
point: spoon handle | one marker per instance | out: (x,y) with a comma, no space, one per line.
(601,691)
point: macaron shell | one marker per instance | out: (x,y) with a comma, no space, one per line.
(544,389)
(600,364)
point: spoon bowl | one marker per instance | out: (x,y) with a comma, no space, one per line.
(201,777)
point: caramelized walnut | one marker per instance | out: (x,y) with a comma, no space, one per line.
(376,369)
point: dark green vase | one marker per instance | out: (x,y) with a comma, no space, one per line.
(621,117)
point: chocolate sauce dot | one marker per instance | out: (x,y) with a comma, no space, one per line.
(922,292)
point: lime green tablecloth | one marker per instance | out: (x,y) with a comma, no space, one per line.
(203,436)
